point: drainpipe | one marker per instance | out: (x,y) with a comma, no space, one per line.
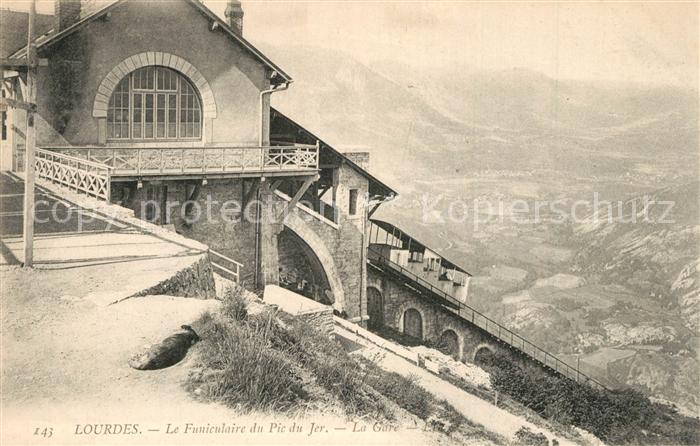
(261,137)
(258,210)
(262,106)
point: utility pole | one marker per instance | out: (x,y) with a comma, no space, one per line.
(30,141)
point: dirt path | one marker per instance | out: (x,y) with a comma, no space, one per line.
(64,365)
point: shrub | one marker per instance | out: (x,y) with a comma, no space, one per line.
(526,437)
(234,303)
(241,370)
(618,416)
(403,391)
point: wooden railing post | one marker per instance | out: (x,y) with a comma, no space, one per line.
(318,154)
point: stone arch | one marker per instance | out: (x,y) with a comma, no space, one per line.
(300,269)
(177,63)
(413,323)
(375,307)
(376,282)
(315,243)
(451,343)
(482,348)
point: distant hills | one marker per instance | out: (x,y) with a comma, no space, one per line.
(421,119)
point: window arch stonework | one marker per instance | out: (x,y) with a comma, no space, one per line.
(153,58)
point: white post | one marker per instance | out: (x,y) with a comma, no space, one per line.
(30,143)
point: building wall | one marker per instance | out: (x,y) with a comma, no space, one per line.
(79,63)
(471,339)
(436,320)
(342,253)
(346,244)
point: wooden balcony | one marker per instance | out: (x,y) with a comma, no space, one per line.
(134,162)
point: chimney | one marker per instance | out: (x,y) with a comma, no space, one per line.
(234,16)
(359,158)
(66,13)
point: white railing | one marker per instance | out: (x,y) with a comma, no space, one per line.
(146,161)
(231,271)
(75,173)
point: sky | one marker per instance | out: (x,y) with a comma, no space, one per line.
(600,41)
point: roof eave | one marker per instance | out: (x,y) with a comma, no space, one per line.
(389,191)
(53,39)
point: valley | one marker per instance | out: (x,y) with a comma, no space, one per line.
(620,297)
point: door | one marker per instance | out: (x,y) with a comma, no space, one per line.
(413,323)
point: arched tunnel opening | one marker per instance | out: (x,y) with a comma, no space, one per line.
(375,308)
(484,355)
(449,344)
(300,270)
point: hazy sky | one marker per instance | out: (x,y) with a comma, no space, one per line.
(627,41)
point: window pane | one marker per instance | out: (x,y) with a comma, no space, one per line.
(172,116)
(117,108)
(160,115)
(161,79)
(148,111)
(150,73)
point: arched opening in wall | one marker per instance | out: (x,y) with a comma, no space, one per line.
(375,308)
(483,355)
(154,103)
(413,323)
(300,270)
(449,343)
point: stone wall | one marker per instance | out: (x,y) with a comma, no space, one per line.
(339,249)
(398,299)
(321,320)
(343,253)
(471,339)
(197,280)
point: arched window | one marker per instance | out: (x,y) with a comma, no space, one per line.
(154,103)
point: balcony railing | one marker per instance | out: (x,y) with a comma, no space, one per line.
(158,161)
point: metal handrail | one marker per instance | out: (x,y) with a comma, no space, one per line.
(236,275)
(499,331)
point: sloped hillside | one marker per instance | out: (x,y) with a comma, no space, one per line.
(652,248)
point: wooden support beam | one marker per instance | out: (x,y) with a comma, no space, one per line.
(253,189)
(323,191)
(6,103)
(20,63)
(300,193)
